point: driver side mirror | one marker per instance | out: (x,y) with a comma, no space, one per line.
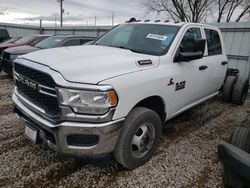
(199,49)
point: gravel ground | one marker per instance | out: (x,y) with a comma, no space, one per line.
(186,157)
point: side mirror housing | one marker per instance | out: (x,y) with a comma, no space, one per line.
(189,56)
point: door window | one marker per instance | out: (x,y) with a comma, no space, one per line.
(213,42)
(188,41)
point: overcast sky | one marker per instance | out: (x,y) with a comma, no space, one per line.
(81,12)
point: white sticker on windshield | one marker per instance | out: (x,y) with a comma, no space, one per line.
(58,40)
(157,37)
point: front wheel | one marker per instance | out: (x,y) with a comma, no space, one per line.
(139,138)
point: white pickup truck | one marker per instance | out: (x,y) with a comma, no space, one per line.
(114,96)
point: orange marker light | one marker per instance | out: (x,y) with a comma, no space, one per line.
(113,98)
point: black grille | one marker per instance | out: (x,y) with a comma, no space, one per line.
(6,56)
(6,67)
(6,64)
(1,51)
(44,101)
(35,75)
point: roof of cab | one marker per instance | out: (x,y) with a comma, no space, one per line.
(177,23)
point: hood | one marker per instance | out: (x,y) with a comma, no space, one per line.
(92,64)
(21,50)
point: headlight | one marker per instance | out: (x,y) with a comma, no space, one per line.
(88,102)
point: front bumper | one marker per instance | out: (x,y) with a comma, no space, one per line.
(55,135)
(235,158)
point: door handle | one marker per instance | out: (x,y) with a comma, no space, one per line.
(224,63)
(203,67)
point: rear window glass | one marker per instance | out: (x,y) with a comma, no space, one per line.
(213,42)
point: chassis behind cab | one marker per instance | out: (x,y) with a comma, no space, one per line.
(114,96)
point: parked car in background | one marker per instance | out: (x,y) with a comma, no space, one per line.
(10,54)
(4,35)
(30,40)
(11,40)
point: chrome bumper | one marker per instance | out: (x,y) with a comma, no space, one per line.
(107,132)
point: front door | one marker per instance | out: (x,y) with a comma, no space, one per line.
(189,77)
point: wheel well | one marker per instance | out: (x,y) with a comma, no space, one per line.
(154,103)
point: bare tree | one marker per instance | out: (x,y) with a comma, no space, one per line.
(183,10)
(198,10)
(245,10)
(228,9)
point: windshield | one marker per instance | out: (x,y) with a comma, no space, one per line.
(50,42)
(150,39)
(24,40)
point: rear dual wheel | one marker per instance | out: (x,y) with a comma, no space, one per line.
(235,90)
(240,91)
(228,88)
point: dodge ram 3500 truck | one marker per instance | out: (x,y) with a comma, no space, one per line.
(114,96)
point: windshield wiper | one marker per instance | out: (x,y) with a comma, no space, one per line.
(132,50)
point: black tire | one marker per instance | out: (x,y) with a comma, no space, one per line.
(124,151)
(227,90)
(241,139)
(240,91)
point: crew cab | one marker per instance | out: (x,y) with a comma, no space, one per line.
(30,40)
(10,54)
(115,96)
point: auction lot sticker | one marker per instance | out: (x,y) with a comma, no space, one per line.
(157,37)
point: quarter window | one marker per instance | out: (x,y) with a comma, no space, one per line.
(213,42)
(188,41)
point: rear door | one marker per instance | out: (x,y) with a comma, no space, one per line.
(216,60)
